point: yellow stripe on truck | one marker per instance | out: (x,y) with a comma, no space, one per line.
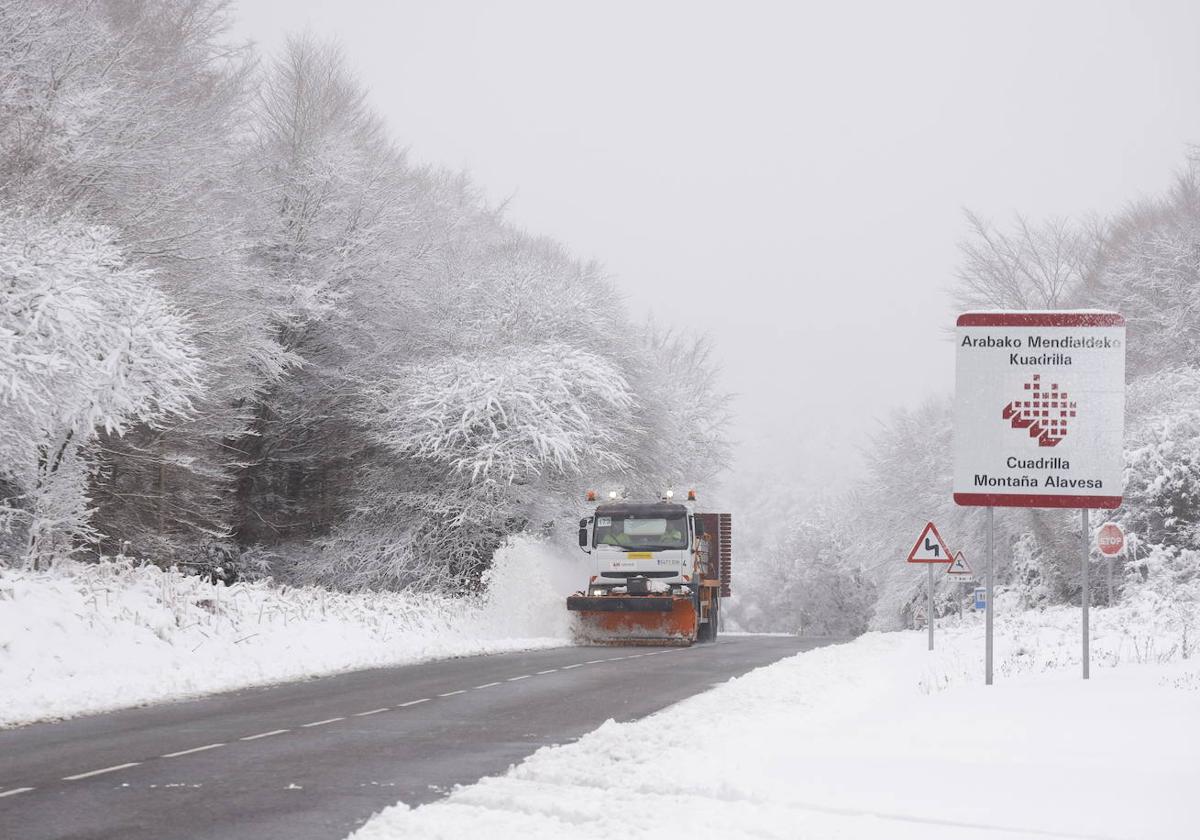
(640,555)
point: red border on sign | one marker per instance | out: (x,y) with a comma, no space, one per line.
(1040,319)
(930,527)
(1114,527)
(968,573)
(1028,500)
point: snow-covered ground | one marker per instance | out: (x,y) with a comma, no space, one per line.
(86,638)
(881,739)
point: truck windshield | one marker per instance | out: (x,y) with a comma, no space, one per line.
(641,533)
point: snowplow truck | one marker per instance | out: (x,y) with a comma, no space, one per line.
(660,572)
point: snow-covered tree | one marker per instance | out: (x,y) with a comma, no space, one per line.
(131,115)
(1151,274)
(514,414)
(330,214)
(802,578)
(395,379)
(87,344)
(1162,476)
(1031,267)
(682,415)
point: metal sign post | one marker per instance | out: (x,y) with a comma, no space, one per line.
(1108,579)
(1086,595)
(987,667)
(929,608)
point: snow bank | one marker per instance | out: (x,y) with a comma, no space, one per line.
(879,738)
(87,638)
(1147,628)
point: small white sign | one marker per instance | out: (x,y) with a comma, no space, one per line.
(1039,409)
(960,568)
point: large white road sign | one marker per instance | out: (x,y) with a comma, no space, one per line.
(1039,409)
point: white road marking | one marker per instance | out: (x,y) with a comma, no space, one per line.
(91,773)
(522,677)
(547,671)
(614,659)
(452,693)
(192,750)
(264,734)
(413,702)
(372,712)
(593,661)
(14,791)
(321,722)
(569,667)
(487,685)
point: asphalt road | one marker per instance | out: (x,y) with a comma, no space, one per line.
(315,759)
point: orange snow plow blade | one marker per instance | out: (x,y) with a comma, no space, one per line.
(634,619)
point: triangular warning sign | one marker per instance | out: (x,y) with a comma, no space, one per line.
(960,566)
(930,547)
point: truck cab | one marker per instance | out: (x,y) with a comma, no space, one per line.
(640,547)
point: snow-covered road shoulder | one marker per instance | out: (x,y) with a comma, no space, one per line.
(86,638)
(876,738)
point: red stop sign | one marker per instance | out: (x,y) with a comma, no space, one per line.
(1110,539)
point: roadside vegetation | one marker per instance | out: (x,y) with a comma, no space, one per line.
(837,565)
(240,328)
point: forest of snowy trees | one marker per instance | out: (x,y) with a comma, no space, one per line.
(238,325)
(1144,263)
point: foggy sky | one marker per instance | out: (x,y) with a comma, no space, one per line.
(788,176)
